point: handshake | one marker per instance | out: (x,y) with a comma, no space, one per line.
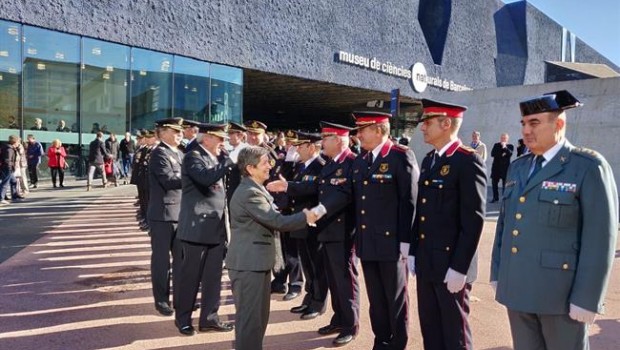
(313,215)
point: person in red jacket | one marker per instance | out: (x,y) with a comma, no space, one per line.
(56,155)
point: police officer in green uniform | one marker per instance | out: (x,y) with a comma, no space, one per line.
(447,228)
(556,233)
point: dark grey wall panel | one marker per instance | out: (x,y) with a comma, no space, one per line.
(300,38)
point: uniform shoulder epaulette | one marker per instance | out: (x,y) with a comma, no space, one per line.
(588,153)
(466,149)
(321,160)
(430,154)
(196,152)
(399,147)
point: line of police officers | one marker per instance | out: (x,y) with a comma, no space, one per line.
(378,207)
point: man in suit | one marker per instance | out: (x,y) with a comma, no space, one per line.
(305,240)
(478,145)
(96,158)
(447,228)
(190,130)
(335,230)
(501,153)
(202,231)
(556,233)
(164,181)
(251,254)
(385,178)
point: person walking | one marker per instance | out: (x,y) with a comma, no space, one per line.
(34,152)
(96,159)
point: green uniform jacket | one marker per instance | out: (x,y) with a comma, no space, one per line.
(556,234)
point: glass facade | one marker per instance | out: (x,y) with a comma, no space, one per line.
(60,86)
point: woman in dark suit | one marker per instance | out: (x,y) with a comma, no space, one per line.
(251,253)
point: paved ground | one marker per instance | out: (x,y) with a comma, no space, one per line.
(80,280)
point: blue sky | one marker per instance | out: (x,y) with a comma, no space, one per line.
(597,22)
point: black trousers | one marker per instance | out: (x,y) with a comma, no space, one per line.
(60,172)
(199,265)
(292,265)
(163,245)
(386,286)
(316,279)
(495,184)
(33,173)
(444,316)
(342,277)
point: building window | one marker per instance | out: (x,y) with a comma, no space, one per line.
(10,79)
(151,92)
(191,89)
(105,88)
(51,84)
(226,94)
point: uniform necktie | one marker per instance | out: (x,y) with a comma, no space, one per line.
(435,159)
(371,158)
(537,165)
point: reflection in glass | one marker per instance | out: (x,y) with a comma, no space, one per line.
(105,88)
(151,91)
(10,77)
(51,81)
(191,89)
(226,94)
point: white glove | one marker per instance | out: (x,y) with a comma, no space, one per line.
(581,315)
(494,286)
(411,264)
(455,281)
(404,249)
(319,211)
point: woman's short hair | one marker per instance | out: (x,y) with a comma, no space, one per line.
(56,143)
(250,155)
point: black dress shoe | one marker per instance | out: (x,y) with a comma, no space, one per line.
(164,308)
(185,330)
(309,315)
(329,329)
(217,327)
(290,296)
(343,339)
(299,309)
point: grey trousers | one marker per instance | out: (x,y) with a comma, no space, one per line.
(547,332)
(251,292)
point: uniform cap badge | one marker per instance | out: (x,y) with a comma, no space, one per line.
(272,162)
(445,170)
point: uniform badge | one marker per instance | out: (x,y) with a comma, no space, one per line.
(272,162)
(445,170)
(383,167)
(355,171)
(339,172)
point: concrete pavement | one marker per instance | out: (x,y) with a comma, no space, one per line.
(81,281)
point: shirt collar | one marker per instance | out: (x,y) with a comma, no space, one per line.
(551,152)
(213,158)
(443,150)
(309,161)
(377,150)
(172,148)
